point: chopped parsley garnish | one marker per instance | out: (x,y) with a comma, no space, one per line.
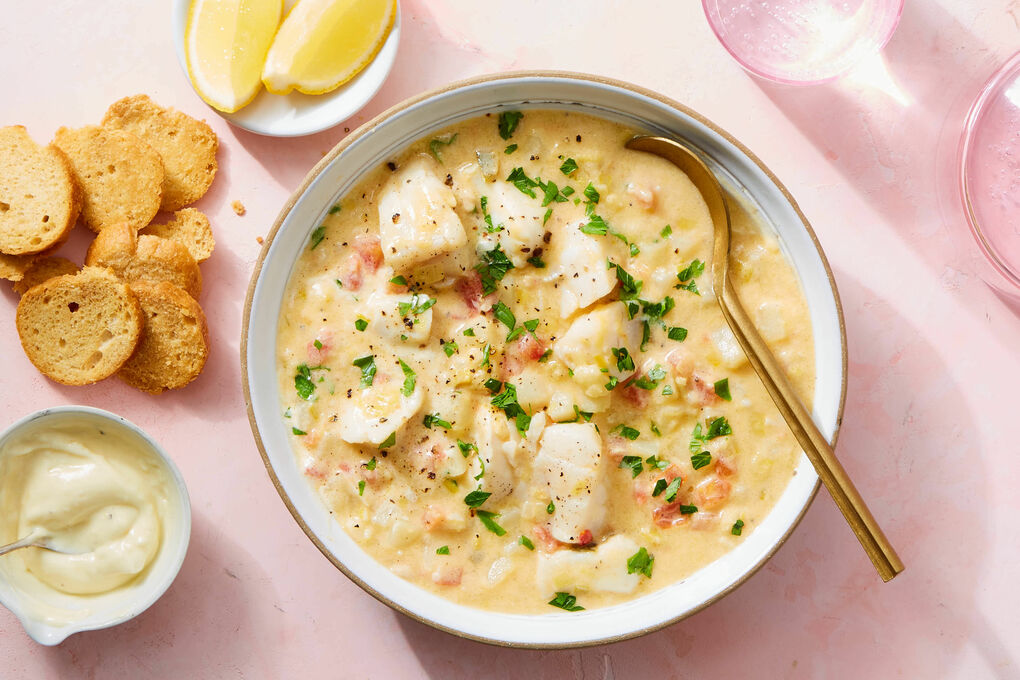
(551,508)
(489,226)
(595,226)
(449,348)
(667,390)
(580,415)
(738,527)
(476,498)
(568,166)
(367,366)
(672,489)
(470,332)
(493,385)
(566,601)
(508,121)
(626,432)
(339,283)
(660,486)
(687,275)
(493,267)
(655,430)
(297,431)
(634,463)
(514,334)
(718,427)
(650,381)
(701,459)
(640,563)
(389,441)
(613,380)
(536,262)
(444,550)
(481,462)
(520,179)
(409,379)
(677,333)
(666,231)
(656,462)
(634,250)
(646,334)
(624,361)
(317,344)
(434,419)
(510,149)
(657,310)
(334,209)
(591,194)
(545,356)
(466,447)
(399,280)
(551,193)
(722,389)
(303,382)
(361,324)
(688,509)
(545,218)
(317,235)
(486,351)
(629,287)
(526,542)
(436,144)
(530,325)
(489,520)
(370,465)
(419,304)
(361,488)
(504,315)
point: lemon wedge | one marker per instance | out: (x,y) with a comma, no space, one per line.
(226,42)
(324,43)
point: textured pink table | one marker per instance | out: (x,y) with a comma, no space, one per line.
(931,433)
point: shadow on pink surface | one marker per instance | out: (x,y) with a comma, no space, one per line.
(898,112)
(817,608)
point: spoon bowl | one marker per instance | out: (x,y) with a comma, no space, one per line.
(817,448)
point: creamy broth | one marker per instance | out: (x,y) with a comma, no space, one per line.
(583,394)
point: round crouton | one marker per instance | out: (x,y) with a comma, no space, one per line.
(145,258)
(44,269)
(39,197)
(190,228)
(175,339)
(121,176)
(186,145)
(79,328)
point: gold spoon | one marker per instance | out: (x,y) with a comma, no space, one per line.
(835,478)
(44,541)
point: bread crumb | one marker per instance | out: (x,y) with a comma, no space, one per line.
(258,239)
(238,208)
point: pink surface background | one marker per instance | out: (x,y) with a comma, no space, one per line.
(931,429)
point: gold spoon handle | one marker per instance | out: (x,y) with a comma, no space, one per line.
(829,469)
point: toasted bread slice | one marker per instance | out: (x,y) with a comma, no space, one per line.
(121,176)
(186,145)
(39,197)
(145,258)
(79,328)
(190,228)
(44,269)
(13,267)
(175,339)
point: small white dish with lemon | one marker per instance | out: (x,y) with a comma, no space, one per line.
(286,69)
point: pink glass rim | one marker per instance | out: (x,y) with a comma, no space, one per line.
(708,5)
(990,88)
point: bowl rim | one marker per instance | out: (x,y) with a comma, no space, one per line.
(62,633)
(367,128)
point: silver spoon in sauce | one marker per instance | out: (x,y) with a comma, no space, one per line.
(44,541)
(829,469)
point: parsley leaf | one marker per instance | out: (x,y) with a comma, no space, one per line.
(566,601)
(434,419)
(449,347)
(494,266)
(510,149)
(629,287)
(688,509)
(297,431)
(595,225)
(701,459)
(470,332)
(489,227)
(525,184)
(361,488)
(640,563)
(399,280)
(666,231)
(466,447)
(389,441)
(722,389)
(486,351)
(361,324)
(303,382)
(476,498)
(591,194)
(677,333)
(444,550)
(672,490)
(738,527)
(718,427)
(508,121)
(489,520)
(436,144)
(568,166)
(550,509)
(660,486)
(634,463)
(370,465)
(317,235)
(650,381)
(504,315)
(526,542)
(624,361)
(536,262)
(334,209)
(409,379)
(687,275)
(367,366)
(419,304)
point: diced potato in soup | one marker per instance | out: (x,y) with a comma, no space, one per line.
(505,373)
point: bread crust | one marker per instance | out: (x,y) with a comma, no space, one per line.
(187,146)
(190,228)
(174,344)
(144,257)
(43,269)
(39,197)
(121,177)
(77,329)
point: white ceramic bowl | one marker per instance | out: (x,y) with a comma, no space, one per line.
(296,114)
(385,136)
(123,604)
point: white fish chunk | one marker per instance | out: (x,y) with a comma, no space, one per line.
(417,221)
(492,437)
(372,414)
(382,310)
(569,465)
(578,265)
(591,338)
(601,570)
(520,218)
